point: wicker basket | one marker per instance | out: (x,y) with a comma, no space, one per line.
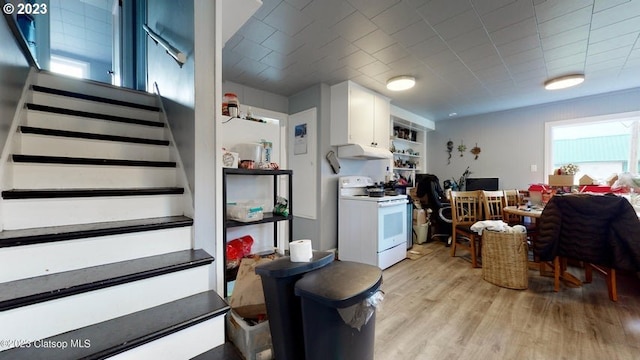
(504,259)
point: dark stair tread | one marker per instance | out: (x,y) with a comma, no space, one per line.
(69,232)
(226,351)
(39,289)
(74,193)
(88,114)
(88,161)
(93,98)
(118,335)
(91,136)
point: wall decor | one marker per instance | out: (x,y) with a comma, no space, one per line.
(475,151)
(449,150)
(462,148)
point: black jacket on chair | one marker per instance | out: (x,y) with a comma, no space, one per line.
(598,229)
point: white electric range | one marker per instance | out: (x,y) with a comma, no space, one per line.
(371,230)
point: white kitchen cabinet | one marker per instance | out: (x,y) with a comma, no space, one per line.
(359,116)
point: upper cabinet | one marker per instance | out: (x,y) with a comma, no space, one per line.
(359,116)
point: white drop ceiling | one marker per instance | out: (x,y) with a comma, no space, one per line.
(468,56)
(82,28)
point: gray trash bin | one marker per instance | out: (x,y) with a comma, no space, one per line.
(283,307)
(333,300)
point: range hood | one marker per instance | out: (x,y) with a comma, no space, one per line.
(361,152)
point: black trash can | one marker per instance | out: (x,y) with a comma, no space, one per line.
(283,307)
(340,285)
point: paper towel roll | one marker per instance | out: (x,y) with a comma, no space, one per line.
(300,250)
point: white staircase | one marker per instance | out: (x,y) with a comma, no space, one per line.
(96,257)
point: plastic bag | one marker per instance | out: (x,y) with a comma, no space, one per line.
(280,208)
(359,314)
(237,249)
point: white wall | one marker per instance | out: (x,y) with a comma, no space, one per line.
(256,97)
(512,141)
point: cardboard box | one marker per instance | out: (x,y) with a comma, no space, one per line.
(562,180)
(586,180)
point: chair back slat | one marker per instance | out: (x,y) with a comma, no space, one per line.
(465,207)
(493,202)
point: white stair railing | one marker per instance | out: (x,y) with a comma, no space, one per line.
(176,54)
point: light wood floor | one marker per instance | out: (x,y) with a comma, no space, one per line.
(438,307)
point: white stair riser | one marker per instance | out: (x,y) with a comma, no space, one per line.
(53,257)
(48,120)
(55,176)
(70,103)
(184,344)
(53,317)
(94,89)
(32,213)
(32,144)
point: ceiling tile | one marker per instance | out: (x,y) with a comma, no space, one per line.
(357,59)
(579,47)
(371,8)
(487,6)
(437,11)
(298,4)
(407,64)
(515,47)
(565,38)
(523,57)
(575,61)
(251,50)
(521,30)
(388,19)
(339,48)
(565,22)
(622,41)
(429,47)
(327,13)
(280,42)
(445,59)
(526,66)
(415,33)
(374,41)
(507,15)
(599,5)
(469,40)
(266,8)
(287,19)
(354,26)
(617,54)
(494,74)
(613,15)
(374,68)
(277,60)
(391,53)
(614,30)
(316,35)
(552,9)
(256,30)
(458,25)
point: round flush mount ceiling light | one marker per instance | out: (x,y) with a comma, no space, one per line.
(564,82)
(400,83)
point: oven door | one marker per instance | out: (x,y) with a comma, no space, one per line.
(392,224)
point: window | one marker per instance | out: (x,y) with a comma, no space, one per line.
(69,67)
(601,146)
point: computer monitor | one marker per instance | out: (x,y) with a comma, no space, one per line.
(488,184)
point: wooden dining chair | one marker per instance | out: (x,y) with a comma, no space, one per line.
(465,211)
(512,198)
(493,203)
